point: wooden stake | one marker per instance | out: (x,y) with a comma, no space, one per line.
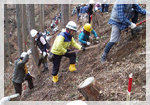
(129,87)
(90,89)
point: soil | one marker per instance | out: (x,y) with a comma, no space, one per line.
(125,57)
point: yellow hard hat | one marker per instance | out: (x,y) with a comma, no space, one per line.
(87,27)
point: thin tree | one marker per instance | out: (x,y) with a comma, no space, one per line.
(24,24)
(31,25)
(42,17)
(7,33)
(18,16)
(65,15)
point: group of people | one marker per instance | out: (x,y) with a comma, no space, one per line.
(54,23)
(119,19)
(85,11)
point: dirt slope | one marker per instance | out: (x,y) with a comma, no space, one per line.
(124,58)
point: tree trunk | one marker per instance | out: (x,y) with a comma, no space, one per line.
(7,33)
(24,24)
(65,15)
(42,17)
(18,15)
(31,25)
(90,89)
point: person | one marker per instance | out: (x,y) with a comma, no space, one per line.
(105,6)
(84,35)
(60,48)
(20,73)
(43,46)
(83,13)
(90,10)
(78,12)
(59,17)
(53,25)
(119,20)
(73,11)
(97,7)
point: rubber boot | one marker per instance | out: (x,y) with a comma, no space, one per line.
(55,78)
(72,68)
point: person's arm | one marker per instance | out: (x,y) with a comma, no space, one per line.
(93,32)
(121,14)
(75,44)
(81,38)
(139,9)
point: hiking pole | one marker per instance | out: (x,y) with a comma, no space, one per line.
(129,87)
(94,46)
(33,60)
(136,25)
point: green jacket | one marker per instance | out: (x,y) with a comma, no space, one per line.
(20,70)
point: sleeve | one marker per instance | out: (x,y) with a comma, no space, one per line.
(121,14)
(22,62)
(81,38)
(75,44)
(93,32)
(60,42)
(138,9)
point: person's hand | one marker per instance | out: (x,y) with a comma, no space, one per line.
(133,25)
(29,51)
(44,54)
(97,38)
(88,43)
(83,48)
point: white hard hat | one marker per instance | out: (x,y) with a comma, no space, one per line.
(23,54)
(72,25)
(33,32)
(76,102)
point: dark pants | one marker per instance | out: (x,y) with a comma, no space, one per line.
(90,18)
(57,60)
(105,6)
(18,86)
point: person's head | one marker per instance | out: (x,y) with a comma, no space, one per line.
(71,27)
(87,28)
(23,54)
(33,33)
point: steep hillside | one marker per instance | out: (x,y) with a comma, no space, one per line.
(124,58)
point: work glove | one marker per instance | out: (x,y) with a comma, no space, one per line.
(44,54)
(88,43)
(83,48)
(97,38)
(133,25)
(29,51)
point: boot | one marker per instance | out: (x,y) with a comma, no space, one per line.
(103,58)
(72,68)
(55,78)
(45,67)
